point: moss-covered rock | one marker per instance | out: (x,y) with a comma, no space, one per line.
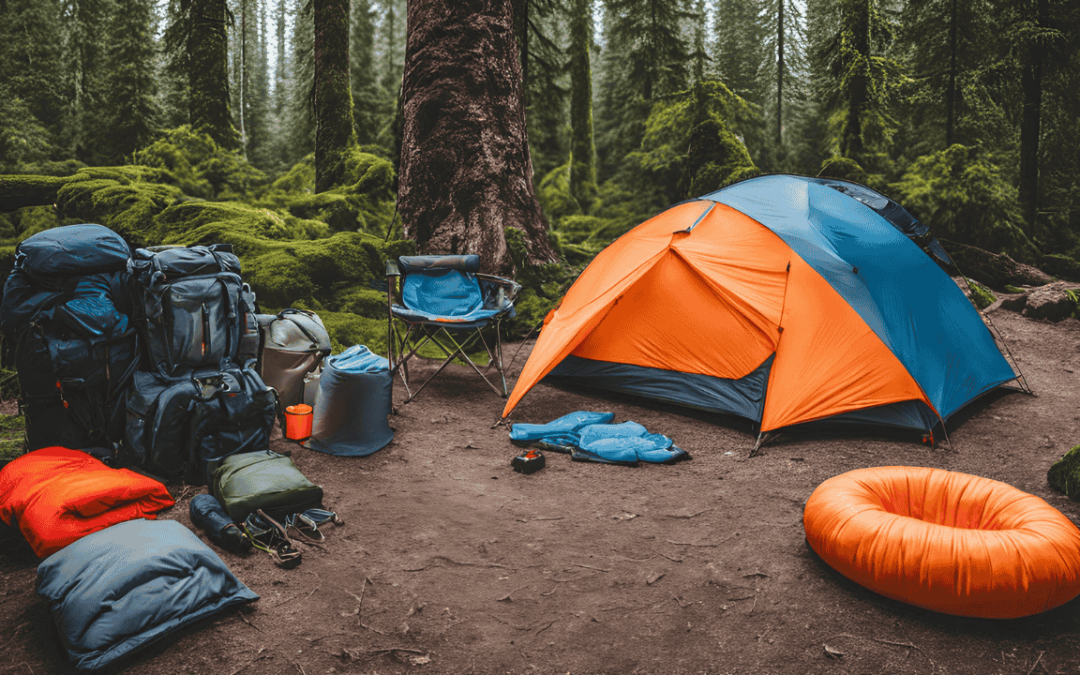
(992,269)
(1064,474)
(982,295)
(199,166)
(1061,266)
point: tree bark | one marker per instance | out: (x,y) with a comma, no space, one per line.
(583,147)
(208,76)
(1030,121)
(466,172)
(334,132)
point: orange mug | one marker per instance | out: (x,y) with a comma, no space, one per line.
(298,422)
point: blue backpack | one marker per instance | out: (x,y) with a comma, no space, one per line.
(67,311)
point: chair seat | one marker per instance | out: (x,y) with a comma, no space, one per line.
(474,319)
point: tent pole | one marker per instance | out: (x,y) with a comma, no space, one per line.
(1009,356)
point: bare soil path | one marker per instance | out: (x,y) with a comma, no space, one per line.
(450,562)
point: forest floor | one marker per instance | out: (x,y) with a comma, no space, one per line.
(450,562)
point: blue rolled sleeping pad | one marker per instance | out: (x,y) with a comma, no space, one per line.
(210,516)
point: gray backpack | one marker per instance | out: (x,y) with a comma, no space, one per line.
(294,343)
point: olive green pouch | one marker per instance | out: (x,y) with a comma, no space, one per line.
(263,480)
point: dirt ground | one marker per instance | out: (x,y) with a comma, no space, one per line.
(449,562)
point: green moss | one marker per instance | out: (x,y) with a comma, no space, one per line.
(199,166)
(12,432)
(982,295)
(555,197)
(968,199)
(347,329)
(1064,474)
(843,168)
(1061,266)
(1013,289)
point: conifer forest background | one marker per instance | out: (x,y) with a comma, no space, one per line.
(199,121)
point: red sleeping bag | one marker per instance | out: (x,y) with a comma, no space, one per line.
(56,496)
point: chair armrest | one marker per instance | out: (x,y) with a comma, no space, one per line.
(498,292)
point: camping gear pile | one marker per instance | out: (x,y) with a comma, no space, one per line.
(147,361)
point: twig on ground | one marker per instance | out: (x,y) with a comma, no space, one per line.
(464,563)
(551,592)
(590,567)
(313,592)
(692,515)
(507,598)
(245,620)
(754,606)
(13,635)
(755,574)
(529,520)
(385,650)
(669,557)
(764,634)
(32,670)
(1036,662)
(909,646)
(549,624)
(299,668)
(501,620)
(258,657)
(680,601)
(692,543)
(360,607)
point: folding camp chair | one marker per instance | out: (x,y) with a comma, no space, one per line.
(445,301)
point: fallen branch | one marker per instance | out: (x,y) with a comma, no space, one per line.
(692,515)
(258,657)
(354,653)
(245,620)
(907,645)
(507,597)
(463,563)
(360,607)
(590,567)
(1036,663)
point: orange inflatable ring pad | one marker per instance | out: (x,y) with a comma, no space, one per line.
(946,541)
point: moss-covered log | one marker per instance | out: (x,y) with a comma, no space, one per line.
(994,270)
(19,191)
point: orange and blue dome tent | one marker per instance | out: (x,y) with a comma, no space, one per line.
(783,299)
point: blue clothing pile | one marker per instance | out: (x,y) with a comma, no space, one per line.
(591,437)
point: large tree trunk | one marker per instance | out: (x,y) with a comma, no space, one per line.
(208,51)
(1030,121)
(466,171)
(334,132)
(582,144)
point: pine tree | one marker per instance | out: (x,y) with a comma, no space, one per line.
(370,102)
(334,131)
(197,40)
(863,78)
(645,56)
(945,42)
(302,84)
(739,49)
(31,76)
(131,115)
(83,49)
(781,86)
(539,34)
(582,145)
